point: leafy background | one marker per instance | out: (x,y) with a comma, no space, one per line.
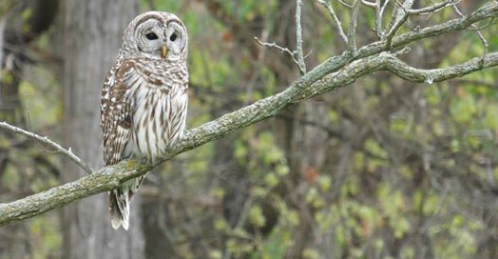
(380,169)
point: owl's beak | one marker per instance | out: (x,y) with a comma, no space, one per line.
(164,51)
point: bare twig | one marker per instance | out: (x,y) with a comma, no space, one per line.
(338,23)
(479,33)
(383,8)
(378,18)
(344,3)
(404,11)
(379,13)
(400,16)
(275,45)
(59,149)
(291,53)
(299,38)
(433,8)
(352,26)
(369,4)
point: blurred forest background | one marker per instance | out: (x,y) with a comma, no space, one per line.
(381,169)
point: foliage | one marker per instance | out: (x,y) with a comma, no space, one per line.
(382,169)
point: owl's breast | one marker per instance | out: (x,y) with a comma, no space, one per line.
(158,120)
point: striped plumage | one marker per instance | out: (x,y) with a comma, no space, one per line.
(144,99)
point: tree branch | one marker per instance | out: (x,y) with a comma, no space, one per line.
(58,148)
(338,23)
(299,38)
(103,180)
(334,73)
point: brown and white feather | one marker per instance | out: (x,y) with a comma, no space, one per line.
(144,101)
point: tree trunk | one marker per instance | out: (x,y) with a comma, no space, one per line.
(92,36)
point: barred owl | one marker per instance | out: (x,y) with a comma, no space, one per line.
(144,99)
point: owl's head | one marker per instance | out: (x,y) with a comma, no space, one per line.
(155,35)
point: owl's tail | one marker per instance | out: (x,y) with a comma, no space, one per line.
(119,202)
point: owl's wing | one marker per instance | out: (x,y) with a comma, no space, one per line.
(116,111)
(117,108)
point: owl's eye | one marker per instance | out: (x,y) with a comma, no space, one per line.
(172,37)
(151,36)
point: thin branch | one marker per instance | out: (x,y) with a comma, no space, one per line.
(292,54)
(383,9)
(323,78)
(479,33)
(345,4)
(59,149)
(400,16)
(338,23)
(369,4)
(299,38)
(404,11)
(352,26)
(378,18)
(433,8)
(275,45)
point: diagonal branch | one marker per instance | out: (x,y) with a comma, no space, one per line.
(334,73)
(110,177)
(58,148)
(103,180)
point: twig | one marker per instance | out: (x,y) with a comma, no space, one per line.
(400,16)
(479,34)
(275,45)
(433,8)
(405,11)
(369,4)
(352,26)
(379,13)
(66,152)
(345,4)
(383,9)
(378,19)
(329,7)
(292,54)
(299,38)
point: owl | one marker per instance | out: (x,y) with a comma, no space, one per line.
(144,99)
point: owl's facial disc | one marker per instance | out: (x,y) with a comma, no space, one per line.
(161,39)
(175,39)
